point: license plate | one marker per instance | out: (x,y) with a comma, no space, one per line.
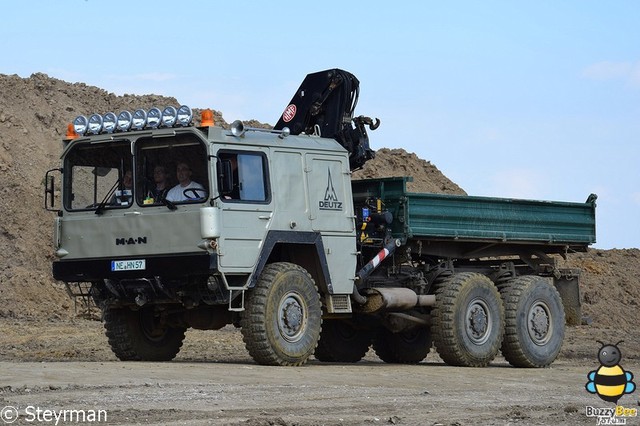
(128,265)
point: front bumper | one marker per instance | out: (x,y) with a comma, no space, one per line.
(166,266)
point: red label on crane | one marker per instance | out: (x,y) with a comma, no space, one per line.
(289,113)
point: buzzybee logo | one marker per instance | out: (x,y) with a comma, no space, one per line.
(610,382)
(331,201)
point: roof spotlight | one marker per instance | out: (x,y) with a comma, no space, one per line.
(95,124)
(109,122)
(80,124)
(153,117)
(124,121)
(184,115)
(139,119)
(169,116)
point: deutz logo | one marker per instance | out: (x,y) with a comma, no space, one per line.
(131,240)
(331,201)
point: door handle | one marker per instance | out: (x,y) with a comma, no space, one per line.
(264,217)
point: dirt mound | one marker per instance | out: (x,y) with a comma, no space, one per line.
(34,112)
(610,286)
(398,162)
(33,116)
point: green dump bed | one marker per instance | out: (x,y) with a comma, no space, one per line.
(551,226)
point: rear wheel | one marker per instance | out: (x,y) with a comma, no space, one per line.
(142,335)
(283,316)
(467,320)
(340,341)
(405,347)
(534,322)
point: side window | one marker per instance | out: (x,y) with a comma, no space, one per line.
(249,178)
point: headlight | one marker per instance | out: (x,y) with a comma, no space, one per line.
(184,115)
(124,121)
(139,119)
(95,123)
(153,117)
(109,122)
(169,115)
(80,124)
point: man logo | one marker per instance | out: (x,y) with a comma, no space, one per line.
(330,201)
(130,241)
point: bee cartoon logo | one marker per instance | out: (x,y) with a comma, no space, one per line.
(610,381)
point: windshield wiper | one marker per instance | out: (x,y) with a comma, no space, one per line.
(103,203)
(170,205)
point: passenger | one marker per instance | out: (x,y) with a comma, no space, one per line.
(183,173)
(127,180)
(122,195)
(159,192)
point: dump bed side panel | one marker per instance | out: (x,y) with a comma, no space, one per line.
(434,215)
(467,218)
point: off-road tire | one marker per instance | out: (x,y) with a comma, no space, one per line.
(137,335)
(282,319)
(406,347)
(534,322)
(340,341)
(467,320)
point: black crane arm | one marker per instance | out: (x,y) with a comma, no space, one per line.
(324,105)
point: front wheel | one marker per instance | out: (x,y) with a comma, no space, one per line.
(282,320)
(142,335)
(534,329)
(467,320)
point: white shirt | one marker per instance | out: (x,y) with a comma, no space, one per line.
(177,192)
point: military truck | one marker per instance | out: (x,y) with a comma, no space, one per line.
(268,232)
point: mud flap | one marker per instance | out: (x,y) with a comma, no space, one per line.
(568,285)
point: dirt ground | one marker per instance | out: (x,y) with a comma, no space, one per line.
(66,365)
(55,359)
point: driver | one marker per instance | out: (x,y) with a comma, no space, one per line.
(183,173)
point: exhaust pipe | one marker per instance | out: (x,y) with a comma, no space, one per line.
(395,299)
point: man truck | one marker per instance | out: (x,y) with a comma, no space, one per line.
(273,236)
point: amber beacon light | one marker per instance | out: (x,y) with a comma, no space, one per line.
(206,118)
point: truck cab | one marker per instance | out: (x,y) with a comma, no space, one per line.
(263,197)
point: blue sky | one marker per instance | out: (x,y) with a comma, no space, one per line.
(517,99)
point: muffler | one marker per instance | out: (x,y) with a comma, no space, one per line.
(394,299)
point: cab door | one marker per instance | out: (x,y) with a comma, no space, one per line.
(246,210)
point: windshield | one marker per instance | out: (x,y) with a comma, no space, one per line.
(98,174)
(164,171)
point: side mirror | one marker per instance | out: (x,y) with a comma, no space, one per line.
(49,190)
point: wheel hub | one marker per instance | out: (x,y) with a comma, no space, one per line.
(539,323)
(291,319)
(478,324)
(478,321)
